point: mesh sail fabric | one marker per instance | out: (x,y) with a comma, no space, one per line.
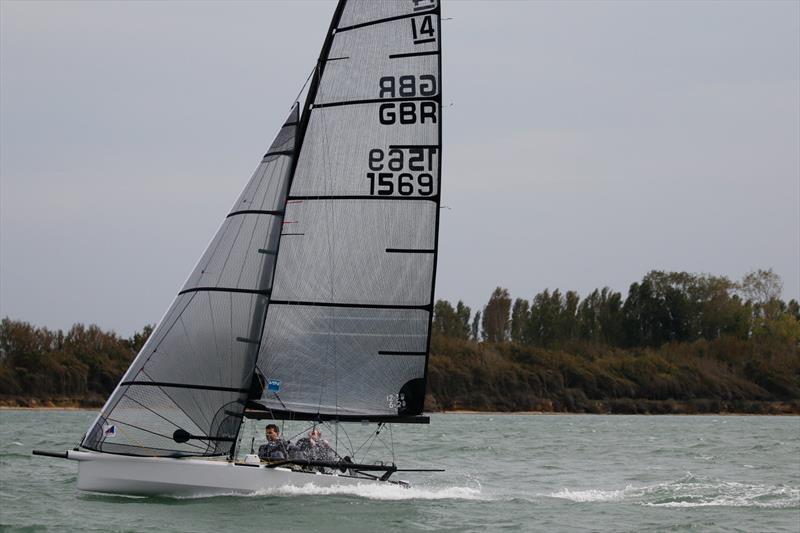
(195,371)
(347,330)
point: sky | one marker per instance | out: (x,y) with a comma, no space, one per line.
(585,143)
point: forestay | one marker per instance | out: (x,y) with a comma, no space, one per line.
(347,331)
(194,373)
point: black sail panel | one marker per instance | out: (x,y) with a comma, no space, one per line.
(185,393)
(347,332)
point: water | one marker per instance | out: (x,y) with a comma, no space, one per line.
(504,473)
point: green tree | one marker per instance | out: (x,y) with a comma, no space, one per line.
(568,317)
(762,290)
(451,322)
(520,316)
(496,322)
(463,313)
(476,327)
(545,314)
(445,321)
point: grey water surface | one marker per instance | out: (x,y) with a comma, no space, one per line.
(504,473)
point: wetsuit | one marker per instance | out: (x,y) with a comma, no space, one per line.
(274,449)
(315,451)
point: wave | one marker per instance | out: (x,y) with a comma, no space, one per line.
(590,495)
(692,491)
(380,492)
(383,491)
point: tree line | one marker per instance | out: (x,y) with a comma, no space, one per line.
(678,342)
(82,365)
(664,307)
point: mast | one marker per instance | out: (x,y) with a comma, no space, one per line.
(298,143)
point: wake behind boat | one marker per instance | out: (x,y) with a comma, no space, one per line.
(314,300)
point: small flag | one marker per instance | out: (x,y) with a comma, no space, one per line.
(110,431)
(274,385)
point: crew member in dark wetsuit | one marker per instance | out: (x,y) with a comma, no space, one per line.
(315,448)
(276,448)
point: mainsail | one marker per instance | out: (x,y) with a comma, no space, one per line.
(347,331)
(186,390)
(314,299)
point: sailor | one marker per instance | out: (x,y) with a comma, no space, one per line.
(275,448)
(315,448)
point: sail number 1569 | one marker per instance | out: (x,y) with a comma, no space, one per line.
(404,183)
(405,170)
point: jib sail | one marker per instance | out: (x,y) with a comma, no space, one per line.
(186,390)
(347,331)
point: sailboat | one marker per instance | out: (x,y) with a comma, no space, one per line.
(313,302)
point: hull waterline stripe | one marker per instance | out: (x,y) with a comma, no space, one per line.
(388,352)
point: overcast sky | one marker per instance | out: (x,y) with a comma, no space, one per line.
(587,143)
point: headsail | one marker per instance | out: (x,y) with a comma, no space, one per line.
(347,331)
(186,390)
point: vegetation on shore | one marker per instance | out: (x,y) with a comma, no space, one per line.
(678,343)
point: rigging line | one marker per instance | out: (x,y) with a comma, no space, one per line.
(130,437)
(378,430)
(350,442)
(382,441)
(297,98)
(366,452)
(142,429)
(305,429)
(279,399)
(164,391)
(391,437)
(159,416)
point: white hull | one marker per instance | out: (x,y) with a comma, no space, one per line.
(151,476)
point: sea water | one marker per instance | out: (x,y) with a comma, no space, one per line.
(503,473)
